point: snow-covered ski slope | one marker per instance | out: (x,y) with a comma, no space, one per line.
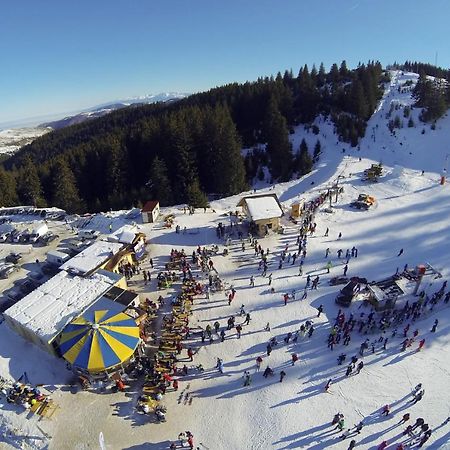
(412,212)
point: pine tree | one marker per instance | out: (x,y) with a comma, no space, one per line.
(158,183)
(65,192)
(8,194)
(278,146)
(317,150)
(29,185)
(196,197)
(221,164)
(303,163)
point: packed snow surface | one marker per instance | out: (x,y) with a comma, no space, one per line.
(412,213)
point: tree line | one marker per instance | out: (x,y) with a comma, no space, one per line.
(184,151)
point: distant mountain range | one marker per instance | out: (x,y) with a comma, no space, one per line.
(106,108)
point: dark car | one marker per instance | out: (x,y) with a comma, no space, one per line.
(13,258)
(48,237)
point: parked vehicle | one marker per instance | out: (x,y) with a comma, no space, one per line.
(48,237)
(13,258)
(57,258)
(76,246)
(39,231)
(49,269)
(88,234)
(26,286)
(7,269)
(4,236)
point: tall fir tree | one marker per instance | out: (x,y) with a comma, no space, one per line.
(303,161)
(278,146)
(65,192)
(8,193)
(222,154)
(29,185)
(158,183)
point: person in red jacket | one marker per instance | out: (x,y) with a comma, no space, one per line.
(175,385)
(421,344)
(190,354)
(294,358)
(383,445)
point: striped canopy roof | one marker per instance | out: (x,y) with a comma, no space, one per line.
(99,340)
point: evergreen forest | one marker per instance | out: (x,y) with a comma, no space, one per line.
(189,151)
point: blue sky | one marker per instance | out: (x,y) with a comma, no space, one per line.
(60,56)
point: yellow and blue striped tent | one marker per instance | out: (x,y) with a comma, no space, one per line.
(99,340)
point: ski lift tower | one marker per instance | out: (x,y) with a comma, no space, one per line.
(425,269)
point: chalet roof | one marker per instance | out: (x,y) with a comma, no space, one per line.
(262,207)
(150,206)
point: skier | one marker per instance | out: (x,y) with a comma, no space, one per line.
(405,418)
(421,344)
(270,279)
(268,371)
(219,365)
(282,375)
(339,236)
(345,434)
(258,363)
(339,253)
(252,281)
(341,359)
(267,327)
(400,252)
(352,445)
(247,319)
(311,331)
(294,358)
(386,410)
(345,270)
(326,232)
(433,329)
(349,370)
(327,386)
(269,349)
(327,252)
(222,335)
(329,266)
(190,354)
(247,378)
(382,446)
(359,367)
(239,330)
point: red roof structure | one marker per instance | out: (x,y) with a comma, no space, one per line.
(150,206)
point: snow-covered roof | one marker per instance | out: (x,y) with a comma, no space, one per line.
(263,207)
(92,257)
(46,310)
(125,234)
